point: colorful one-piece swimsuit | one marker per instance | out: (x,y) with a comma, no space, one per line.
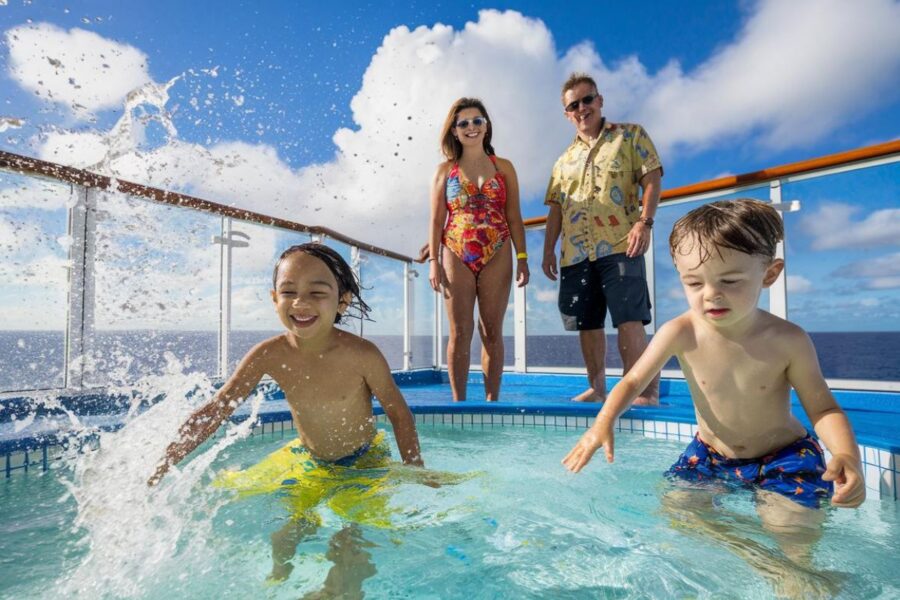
(476,225)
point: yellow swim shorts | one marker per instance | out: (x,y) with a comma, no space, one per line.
(354,487)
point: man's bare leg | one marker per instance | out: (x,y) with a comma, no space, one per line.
(632,343)
(593,349)
(352,566)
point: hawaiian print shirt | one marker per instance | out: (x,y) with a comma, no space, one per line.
(597,188)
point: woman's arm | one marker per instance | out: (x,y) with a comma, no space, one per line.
(514,220)
(438,218)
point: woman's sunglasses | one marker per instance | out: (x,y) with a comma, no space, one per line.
(589,99)
(477,122)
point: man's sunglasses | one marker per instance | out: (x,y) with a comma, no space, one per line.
(589,99)
(477,122)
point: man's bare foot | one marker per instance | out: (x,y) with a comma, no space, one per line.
(589,395)
(646,401)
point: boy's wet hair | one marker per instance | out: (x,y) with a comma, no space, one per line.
(342,272)
(745,225)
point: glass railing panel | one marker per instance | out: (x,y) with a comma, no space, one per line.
(351,322)
(843,266)
(547,343)
(157,291)
(422,334)
(383,286)
(33,282)
(253,317)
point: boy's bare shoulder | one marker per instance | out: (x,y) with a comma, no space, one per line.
(783,330)
(269,347)
(356,347)
(679,329)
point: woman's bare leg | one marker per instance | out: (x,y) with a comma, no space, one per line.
(493,287)
(460,302)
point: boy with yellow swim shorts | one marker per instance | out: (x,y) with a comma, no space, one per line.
(328,377)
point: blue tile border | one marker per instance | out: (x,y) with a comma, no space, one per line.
(429,401)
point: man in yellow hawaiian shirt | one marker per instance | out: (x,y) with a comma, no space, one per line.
(593,200)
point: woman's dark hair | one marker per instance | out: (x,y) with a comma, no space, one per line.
(745,225)
(342,272)
(450,146)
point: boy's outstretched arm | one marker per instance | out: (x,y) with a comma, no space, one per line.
(661,348)
(204,422)
(379,379)
(829,421)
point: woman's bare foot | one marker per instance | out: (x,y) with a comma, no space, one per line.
(589,395)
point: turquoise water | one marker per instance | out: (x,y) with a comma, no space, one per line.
(522,528)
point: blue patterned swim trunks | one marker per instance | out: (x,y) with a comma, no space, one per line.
(795,471)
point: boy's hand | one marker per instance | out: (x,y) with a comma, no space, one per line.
(593,438)
(849,485)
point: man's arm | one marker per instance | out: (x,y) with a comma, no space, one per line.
(829,421)
(205,421)
(551,234)
(662,347)
(639,236)
(382,384)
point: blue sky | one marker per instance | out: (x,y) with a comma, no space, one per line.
(328,116)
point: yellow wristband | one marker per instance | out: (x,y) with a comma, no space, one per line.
(521,255)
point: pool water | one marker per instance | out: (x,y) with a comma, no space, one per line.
(521,527)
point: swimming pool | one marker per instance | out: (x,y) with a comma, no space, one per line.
(521,527)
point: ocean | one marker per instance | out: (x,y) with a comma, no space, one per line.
(34,359)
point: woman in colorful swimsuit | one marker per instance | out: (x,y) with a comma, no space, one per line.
(474,213)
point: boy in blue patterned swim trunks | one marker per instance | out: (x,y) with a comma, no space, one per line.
(740,363)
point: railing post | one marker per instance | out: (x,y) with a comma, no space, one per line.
(408,276)
(438,339)
(224,295)
(356,260)
(82,228)
(650,269)
(778,290)
(520,328)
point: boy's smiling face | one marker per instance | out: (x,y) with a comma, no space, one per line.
(724,290)
(306,296)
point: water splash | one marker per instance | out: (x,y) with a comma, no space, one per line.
(131,531)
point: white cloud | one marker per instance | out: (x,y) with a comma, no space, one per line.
(833,226)
(78,69)
(797,284)
(376,187)
(796,71)
(546,295)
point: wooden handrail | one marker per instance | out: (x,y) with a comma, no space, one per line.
(33,166)
(766,175)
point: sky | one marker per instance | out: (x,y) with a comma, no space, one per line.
(331,116)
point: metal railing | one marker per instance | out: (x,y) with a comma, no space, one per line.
(87,189)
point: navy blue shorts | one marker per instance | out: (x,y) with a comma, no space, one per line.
(795,471)
(616,283)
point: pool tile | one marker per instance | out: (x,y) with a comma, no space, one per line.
(886,460)
(870,456)
(872,475)
(886,485)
